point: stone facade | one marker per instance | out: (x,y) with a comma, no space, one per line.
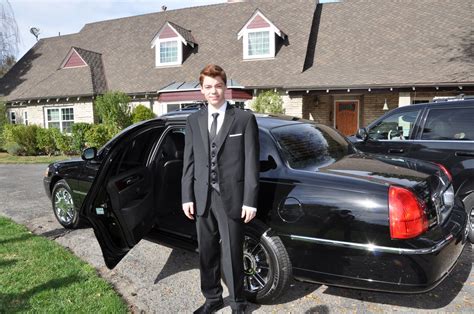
(320,108)
(293,105)
(37,114)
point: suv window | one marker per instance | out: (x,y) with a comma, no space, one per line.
(395,127)
(449,124)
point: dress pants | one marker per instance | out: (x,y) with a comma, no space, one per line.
(214,225)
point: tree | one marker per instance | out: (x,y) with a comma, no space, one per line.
(268,102)
(113,110)
(9,36)
(6,65)
(141,113)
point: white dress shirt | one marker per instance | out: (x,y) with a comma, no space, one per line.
(220,117)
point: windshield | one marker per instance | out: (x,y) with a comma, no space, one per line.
(309,146)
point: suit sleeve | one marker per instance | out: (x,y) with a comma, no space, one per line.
(187,181)
(252,163)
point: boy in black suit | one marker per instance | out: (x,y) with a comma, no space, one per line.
(220,186)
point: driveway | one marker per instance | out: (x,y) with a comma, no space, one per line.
(154,278)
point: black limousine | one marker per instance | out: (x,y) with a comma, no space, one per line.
(327,212)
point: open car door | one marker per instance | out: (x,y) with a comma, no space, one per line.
(120,204)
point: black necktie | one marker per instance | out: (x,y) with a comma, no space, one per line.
(212,133)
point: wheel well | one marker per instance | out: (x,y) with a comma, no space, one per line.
(54,180)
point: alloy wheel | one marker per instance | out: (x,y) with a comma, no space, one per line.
(257,270)
(64,206)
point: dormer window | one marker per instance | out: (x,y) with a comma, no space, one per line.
(258,44)
(259,36)
(170,43)
(169,52)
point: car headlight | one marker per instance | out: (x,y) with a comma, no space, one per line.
(46,172)
(448,196)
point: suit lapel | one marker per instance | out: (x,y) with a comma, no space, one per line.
(202,119)
(225,128)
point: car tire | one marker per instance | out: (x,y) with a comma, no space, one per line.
(267,266)
(469,205)
(63,205)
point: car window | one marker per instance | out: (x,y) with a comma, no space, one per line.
(307,146)
(449,124)
(395,127)
(135,153)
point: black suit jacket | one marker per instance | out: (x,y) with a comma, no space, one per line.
(237,159)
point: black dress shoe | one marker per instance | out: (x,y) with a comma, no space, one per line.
(210,307)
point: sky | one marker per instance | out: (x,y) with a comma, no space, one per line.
(69,16)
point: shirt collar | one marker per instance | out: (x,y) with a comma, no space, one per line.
(221,110)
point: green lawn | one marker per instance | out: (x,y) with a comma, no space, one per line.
(6,158)
(38,275)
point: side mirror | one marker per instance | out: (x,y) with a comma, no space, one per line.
(362,134)
(89,153)
(269,164)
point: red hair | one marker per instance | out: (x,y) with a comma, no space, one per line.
(213,70)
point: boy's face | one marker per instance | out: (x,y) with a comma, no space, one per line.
(213,89)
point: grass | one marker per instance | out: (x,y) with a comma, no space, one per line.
(38,275)
(6,158)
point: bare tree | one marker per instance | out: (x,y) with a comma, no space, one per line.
(9,36)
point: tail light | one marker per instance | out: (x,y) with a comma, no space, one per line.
(446,172)
(406,213)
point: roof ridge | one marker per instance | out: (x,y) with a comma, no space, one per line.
(158,12)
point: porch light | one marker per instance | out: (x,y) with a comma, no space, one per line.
(385,106)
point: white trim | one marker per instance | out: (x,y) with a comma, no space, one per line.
(346,100)
(158,53)
(271,37)
(244,29)
(272,29)
(45,114)
(69,56)
(178,35)
(13,120)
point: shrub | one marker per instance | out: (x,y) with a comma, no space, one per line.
(113,109)
(79,131)
(141,113)
(20,139)
(268,102)
(45,141)
(3,122)
(63,142)
(98,134)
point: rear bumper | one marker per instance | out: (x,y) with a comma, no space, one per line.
(365,266)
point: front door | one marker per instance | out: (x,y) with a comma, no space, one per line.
(346,116)
(121,203)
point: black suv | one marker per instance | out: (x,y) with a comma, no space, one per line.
(441,132)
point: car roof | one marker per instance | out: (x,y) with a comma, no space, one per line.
(266,121)
(444,103)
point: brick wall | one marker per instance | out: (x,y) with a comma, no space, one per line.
(293,105)
(372,106)
(319,109)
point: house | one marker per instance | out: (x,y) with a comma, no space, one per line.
(341,63)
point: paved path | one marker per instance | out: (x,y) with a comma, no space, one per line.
(153,278)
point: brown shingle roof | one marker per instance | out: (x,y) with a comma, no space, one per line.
(354,43)
(403,42)
(186,34)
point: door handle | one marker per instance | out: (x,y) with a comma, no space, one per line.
(464,154)
(395,150)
